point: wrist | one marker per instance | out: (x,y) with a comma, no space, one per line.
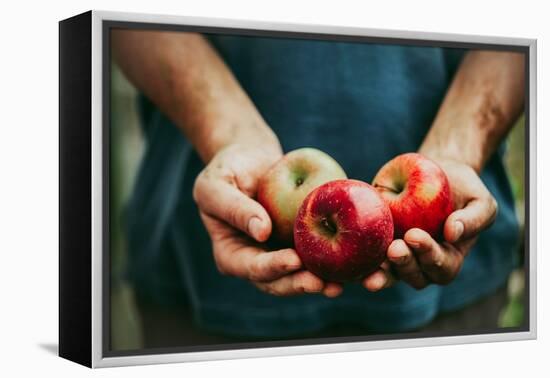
(252,134)
(443,152)
(456,136)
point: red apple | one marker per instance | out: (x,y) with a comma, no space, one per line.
(417,192)
(343,230)
(283,188)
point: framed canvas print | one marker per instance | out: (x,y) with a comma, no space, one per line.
(232,189)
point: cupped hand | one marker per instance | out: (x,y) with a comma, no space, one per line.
(238,225)
(418,259)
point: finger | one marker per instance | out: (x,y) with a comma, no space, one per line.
(254,264)
(293,284)
(380,279)
(224,201)
(237,256)
(332,290)
(269,266)
(438,264)
(465,223)
(405,264)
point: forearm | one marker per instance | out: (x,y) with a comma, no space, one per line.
(183,75)
(481,105)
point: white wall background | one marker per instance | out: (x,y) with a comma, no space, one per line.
(29,189)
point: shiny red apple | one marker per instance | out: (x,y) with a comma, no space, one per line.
(343,230)
(418,193)
(283,188)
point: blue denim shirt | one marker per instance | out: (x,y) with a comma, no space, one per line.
(361,103)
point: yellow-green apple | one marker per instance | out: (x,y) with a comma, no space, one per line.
(418,193)
(283,188)
(343,230)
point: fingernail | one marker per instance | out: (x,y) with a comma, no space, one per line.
(378,283)
(399,257)
(413,243)
(459,229)
(255,227)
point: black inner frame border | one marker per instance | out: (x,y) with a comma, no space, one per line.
(107,25)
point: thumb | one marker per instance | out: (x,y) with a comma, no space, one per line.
(477,215)
(227,203)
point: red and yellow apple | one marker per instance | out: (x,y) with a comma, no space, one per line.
(283,188)
(417,192)
(343,230)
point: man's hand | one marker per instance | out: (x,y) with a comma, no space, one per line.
(238,225)
(418,259)
(186,78)
(481,105)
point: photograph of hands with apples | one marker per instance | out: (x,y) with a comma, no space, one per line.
(270,188)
